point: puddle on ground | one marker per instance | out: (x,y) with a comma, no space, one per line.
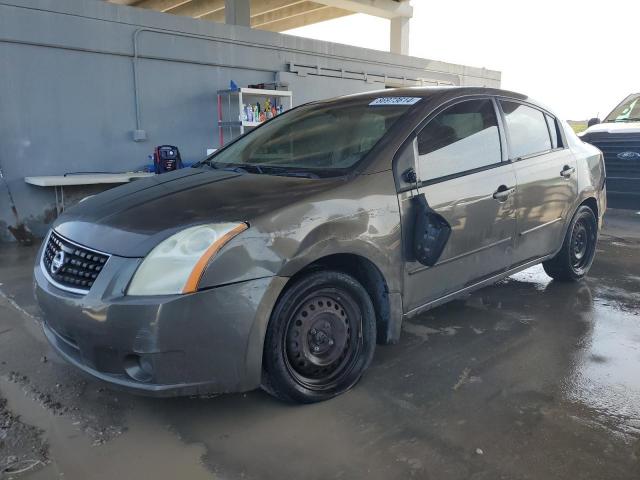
(604,356)
(146,450)
(605,374)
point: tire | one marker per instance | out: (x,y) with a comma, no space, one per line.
(333,314)
(575,258)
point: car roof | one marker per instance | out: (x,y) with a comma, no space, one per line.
(435,92)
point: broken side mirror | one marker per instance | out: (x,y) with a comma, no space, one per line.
(431,232)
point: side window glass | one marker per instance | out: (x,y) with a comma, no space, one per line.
(553,130)
(461,138)
(528,131)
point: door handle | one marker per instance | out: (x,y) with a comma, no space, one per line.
(503,192)
(567,171)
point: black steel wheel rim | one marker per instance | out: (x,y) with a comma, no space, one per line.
(583,244)
(323,339)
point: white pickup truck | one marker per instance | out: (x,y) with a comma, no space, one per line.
(618,136)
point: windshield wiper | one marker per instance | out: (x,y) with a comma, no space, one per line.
(282,171)
(234,169)
(230,167)
(252,168)
(264,170)
(296,174)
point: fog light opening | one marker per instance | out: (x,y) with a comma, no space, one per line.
(139,367)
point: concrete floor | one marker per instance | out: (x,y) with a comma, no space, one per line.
(528,379)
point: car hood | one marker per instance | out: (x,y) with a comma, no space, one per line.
(620,127)
(132,219)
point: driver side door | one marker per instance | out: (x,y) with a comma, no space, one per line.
(463,172)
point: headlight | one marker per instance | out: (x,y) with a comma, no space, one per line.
(177,264)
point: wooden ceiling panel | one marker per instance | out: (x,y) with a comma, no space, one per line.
(273,15)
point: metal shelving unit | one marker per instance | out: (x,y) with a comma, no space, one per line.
(230,109)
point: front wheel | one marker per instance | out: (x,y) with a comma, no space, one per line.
(578,249)
(320,339)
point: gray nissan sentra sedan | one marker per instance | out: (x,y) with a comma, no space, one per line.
(281,260)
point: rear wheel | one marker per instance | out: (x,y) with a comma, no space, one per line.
(578,249)
(320,339)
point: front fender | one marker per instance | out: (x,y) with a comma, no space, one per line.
(384,254)
(360,218)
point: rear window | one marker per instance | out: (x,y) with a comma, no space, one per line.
(527,127)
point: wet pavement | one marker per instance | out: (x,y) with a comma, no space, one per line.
(528,379)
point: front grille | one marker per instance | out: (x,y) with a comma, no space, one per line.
(70,266)
(614,144)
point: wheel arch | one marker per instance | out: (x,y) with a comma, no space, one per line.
(592,203)
(387,304)
(586,200)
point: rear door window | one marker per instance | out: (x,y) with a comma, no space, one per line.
(460,139)
(527,128)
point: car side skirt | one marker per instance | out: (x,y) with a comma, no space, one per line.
(484,283)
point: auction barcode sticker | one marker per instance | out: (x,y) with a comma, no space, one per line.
(395,101)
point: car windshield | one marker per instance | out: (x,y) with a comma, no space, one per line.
(316,140)
(627,111)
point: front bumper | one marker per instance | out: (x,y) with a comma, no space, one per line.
(206,342)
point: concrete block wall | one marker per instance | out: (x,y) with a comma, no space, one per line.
(68,101)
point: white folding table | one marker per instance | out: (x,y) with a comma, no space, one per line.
(61,181)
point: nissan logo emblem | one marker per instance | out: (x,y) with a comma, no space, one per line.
(628,155)
(57,262)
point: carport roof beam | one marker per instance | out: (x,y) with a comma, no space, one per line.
(378,8)
(237,12)
(399,35)
(290,19)
(198,8)
(160,5)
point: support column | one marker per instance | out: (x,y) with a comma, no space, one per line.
(237,12)
(400,35)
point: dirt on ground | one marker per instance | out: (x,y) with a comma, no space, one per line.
(22,447)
